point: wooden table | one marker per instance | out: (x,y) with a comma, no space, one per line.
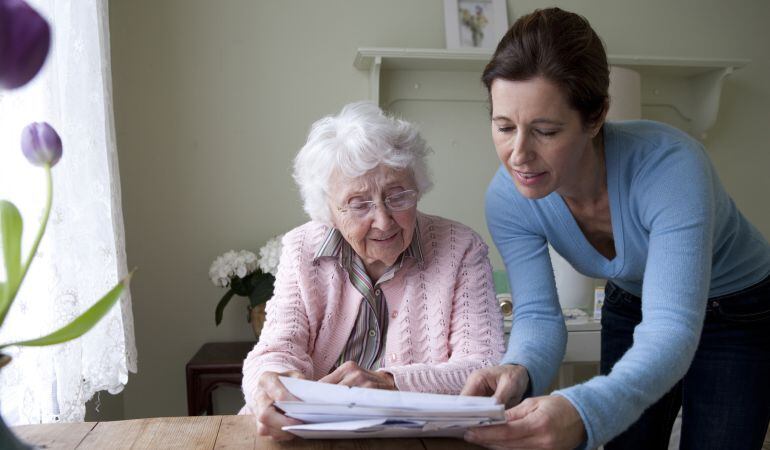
(194,433)
(214,364)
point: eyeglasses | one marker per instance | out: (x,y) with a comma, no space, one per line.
(396,202)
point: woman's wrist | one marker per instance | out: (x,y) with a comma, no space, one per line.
(520,376)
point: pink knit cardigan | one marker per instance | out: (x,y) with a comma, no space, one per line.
(444,318)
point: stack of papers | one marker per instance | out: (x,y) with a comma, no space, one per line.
(335,411)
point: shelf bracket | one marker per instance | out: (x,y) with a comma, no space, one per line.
(707,89)
(374,80)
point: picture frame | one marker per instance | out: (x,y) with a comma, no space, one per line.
(474,23)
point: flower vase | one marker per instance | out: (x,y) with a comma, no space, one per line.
(257,318)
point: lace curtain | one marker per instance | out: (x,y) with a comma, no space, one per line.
(83,253)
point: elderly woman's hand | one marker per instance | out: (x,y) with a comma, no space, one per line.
(269,420)
(507,383)
(351,374)
(549,422)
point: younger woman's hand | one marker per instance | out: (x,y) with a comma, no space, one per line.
(549,422)
(506,383)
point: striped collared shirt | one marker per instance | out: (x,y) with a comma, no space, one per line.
(367,339)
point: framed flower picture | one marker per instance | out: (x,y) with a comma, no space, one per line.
(474,23)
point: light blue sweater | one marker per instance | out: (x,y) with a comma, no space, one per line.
(679,239)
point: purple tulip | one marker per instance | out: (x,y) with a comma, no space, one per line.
(41,144)
(24,41)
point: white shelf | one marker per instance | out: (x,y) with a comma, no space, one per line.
(688,87)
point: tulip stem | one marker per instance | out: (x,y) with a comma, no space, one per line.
(41,232)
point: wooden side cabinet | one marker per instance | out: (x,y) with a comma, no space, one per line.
(215,364)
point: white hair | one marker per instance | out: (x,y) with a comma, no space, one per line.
(359,139)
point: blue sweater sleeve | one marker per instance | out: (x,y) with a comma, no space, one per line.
(538,336)
(673,195)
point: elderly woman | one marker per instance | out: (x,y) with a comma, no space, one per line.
(371,292)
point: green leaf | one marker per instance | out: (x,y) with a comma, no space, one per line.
(262,289)
(11,227)
(221,305)
(241,286)
(82,323)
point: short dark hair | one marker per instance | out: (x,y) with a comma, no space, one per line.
(561,47)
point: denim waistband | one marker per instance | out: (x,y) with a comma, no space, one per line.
(713,302)
(613,289)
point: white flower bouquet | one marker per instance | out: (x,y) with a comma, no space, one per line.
(247,275)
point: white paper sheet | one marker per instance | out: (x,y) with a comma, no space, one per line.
(363,412)
(334,412)
(385,432)
(380,428)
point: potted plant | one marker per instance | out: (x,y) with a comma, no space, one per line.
(249,276)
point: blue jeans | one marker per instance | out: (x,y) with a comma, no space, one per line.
(725,394)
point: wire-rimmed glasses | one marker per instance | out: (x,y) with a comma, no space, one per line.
(399,201)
